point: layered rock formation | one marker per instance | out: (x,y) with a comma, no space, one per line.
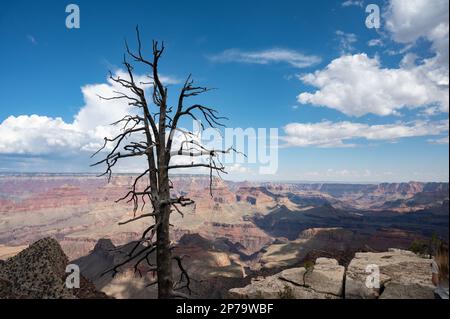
(250,228)
(246,234)
(77,210)
(289,223)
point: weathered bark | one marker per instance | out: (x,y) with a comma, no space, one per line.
(164,255)
(163,251)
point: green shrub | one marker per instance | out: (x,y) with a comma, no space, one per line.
(286,293)
(419,247)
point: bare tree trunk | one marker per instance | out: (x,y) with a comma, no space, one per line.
(164,255)
(158,151)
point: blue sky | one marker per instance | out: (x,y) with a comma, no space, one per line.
(351,104)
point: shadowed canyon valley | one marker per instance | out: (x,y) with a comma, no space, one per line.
(245,230)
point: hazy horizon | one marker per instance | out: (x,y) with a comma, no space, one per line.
(294,181)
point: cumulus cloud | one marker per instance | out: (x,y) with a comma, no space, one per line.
(276,55)
(340,134)
(408,21)
(40,135)
(357,85)
(36,134)
(35,142)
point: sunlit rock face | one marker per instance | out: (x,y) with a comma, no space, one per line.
(323,281)
(403,274)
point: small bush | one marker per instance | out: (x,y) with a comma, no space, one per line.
(309,265)
(286,293)
(419,247)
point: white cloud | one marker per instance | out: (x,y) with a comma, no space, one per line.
(375,42)
(237,168)
(408,21)
(357,85)
(400,51)
(39,135)
(277,55)
(356,3)
(35,141)
(346,41)
(341,134)
(442,140)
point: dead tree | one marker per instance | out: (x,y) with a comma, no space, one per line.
(152,132)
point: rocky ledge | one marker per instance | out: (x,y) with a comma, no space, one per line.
(39,272)
(324,281)
(402,274)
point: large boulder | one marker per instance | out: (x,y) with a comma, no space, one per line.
(324,281)
(326,277)
(402,274)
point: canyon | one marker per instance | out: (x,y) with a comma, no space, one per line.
(245,230)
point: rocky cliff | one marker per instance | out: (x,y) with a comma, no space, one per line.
(402,274)
(77,210)
(39,272)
